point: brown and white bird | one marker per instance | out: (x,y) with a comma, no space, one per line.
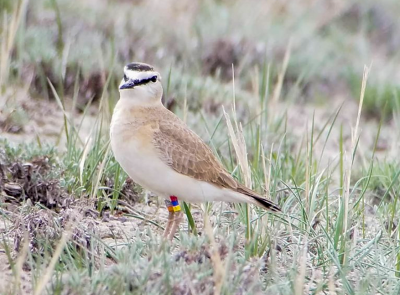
(159,152)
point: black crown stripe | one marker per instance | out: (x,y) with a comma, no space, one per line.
(140,67)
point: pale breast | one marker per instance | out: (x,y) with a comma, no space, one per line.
(133,145)
(133,149)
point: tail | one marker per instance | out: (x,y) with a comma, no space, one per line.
(267,204)
(258,200)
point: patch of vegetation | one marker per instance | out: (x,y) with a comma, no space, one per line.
(381,98)
(6,5)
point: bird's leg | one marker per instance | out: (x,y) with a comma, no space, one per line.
(171,214)
(178,215)
(177,220)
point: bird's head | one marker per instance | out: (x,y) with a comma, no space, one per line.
(141,83)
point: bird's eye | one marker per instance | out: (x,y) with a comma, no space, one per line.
(153,79)
(125,78)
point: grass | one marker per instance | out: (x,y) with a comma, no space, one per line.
(313,235)
(9,32)
(332,168)
(381,98)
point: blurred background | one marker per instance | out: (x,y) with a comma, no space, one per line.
(319,49)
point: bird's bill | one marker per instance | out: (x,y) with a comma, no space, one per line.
(127,85)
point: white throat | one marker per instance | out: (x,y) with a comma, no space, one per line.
(140,96)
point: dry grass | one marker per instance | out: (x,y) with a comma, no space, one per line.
(9,31)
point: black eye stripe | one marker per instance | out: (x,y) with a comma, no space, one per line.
(125,78)
(144,81)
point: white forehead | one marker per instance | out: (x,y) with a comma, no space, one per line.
(139,75)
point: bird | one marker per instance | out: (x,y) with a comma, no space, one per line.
(160,153)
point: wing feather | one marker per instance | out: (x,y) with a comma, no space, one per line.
(186,153)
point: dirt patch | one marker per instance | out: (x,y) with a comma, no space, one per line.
(44,227)
(25,181)
(7,280)
(24,119)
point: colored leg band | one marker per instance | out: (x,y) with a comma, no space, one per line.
(169,206)
(175,204)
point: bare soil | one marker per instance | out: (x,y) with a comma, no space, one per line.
(25,119)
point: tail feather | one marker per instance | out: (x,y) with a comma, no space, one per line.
(258,200)
(267,204)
